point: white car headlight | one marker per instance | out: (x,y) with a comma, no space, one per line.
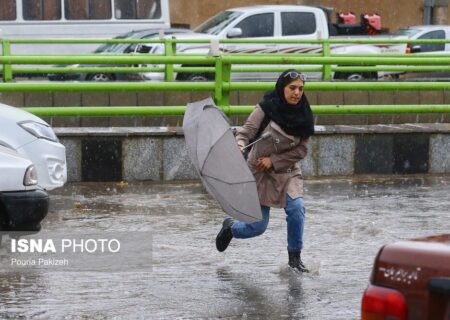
(39,130)
(30,178)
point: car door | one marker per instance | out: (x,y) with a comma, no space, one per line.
(300,25)
(259,26)
(430,48)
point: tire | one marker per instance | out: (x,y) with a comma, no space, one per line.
(356,76)
(100,77)
(195,77)
(181,76)
(198,77)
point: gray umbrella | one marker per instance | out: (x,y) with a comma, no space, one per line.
(219,163)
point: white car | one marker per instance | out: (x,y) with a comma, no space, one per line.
(427,32)
(432,32)
(263,23)
(34,139)
(23,204)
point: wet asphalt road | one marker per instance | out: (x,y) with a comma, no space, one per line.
(347,222)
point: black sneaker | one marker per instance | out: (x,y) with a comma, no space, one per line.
(225,235)
(301,267)
(296,262)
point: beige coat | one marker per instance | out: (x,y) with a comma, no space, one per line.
(285,177)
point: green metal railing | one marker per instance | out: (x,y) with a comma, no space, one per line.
(222,66)
(230,110)
(170,46)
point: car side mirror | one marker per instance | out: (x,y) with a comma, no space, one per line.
(234,33)
(416,48)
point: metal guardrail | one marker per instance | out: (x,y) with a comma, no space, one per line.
(230,110)
(222,66)
(170,46)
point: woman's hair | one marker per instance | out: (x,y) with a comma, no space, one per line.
(286,81)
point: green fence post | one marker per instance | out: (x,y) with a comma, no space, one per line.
(326,53)
(222,90)
(169,50)
(7,68)
(218,79)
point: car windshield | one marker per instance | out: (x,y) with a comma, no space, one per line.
(216,24)
(119,47)
(112,47)
(405,32)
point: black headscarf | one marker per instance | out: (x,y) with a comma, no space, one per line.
(296,120)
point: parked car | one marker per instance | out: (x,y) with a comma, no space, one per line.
(429,32)
(116,48)
(23,204)
(34,139)
(410,281)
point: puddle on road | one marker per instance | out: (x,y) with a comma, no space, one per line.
(347,222)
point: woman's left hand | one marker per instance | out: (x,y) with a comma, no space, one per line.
(264,164)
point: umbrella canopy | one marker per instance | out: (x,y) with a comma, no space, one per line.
(216,157)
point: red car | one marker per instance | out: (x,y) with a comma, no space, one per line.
(410,280)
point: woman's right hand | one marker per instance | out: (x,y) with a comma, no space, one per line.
(241,148)
(264,163)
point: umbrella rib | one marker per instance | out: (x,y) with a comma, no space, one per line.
(212,148)
(244,214)
(229,183)
(196,144)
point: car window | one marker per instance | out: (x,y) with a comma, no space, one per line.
(111,47)
(8,10)
(430,47)
(41,10)
(141,48)
(137,9)
(258,25)
(87,10)
(297,23)
(404,32)
(216,24)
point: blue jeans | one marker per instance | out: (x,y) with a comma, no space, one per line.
(295,218)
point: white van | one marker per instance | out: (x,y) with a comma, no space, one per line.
(74,19)
(34,139)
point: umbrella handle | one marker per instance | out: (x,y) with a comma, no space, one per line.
(263,136)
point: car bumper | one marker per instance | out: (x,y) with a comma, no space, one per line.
(24,210)
(153,76)
(64,76)
(49,159)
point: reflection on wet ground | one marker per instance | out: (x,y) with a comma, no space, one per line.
(347,222)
